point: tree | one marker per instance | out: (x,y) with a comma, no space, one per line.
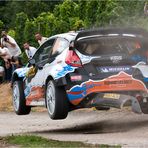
(45,23)
(29,31)
(108,12)
(91,12)
(52,17)
(20,23)
(1,25)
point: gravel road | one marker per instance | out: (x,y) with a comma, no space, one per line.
(103,127)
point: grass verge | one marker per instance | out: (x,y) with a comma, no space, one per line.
(32,141)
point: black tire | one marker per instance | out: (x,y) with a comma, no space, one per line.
(19,102)
(56,101)
(137,74)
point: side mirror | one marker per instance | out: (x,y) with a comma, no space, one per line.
(32,61)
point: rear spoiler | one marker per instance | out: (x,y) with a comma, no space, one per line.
(136,32)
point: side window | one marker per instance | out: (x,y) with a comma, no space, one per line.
(59,46)
(43,52)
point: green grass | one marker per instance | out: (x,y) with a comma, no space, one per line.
(39,142)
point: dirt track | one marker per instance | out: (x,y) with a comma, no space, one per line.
(113,127)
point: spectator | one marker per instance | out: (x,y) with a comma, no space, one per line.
(30,51)
(40,38)
(17,62)
(8,70)
(8,42)
(5,54)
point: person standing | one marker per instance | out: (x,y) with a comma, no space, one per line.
(30,51)
(14,51)
(40,38)
(5,54)
(8,42)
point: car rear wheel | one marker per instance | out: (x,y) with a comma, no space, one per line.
(56,101)
(19,102)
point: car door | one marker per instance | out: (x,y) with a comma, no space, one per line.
(34,91)
(56,61)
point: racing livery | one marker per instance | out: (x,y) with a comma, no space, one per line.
(100,68)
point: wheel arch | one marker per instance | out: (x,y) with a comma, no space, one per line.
(15,77)
(48,79)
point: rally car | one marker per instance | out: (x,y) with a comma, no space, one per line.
(100,68)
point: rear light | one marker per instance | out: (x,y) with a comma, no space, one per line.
(73,59)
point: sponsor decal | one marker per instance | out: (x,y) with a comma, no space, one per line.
(36,103)
(114,69)
(111,96)
(116,59)
(76,78)
(33,93)
(118,82)
(66,69)
(27,91)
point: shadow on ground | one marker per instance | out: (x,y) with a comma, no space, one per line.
(103,127)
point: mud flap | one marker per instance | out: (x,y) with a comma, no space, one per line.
(117,101)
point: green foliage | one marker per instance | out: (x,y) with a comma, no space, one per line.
(20,21)
(76,23)
(45,23)
(12,33)
(24,18)
(1,25)
(9,9)
(67,10)
(24,58)
(91,12)
(29,31)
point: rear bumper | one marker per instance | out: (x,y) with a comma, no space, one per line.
(116,101)
(121,82)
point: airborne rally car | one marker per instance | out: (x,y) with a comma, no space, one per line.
(99,68)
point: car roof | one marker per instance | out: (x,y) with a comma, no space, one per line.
(69,36)
(133,32)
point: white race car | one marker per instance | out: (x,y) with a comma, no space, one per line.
(99,68)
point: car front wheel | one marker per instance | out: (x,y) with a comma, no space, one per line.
(19,102)
(56,101)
